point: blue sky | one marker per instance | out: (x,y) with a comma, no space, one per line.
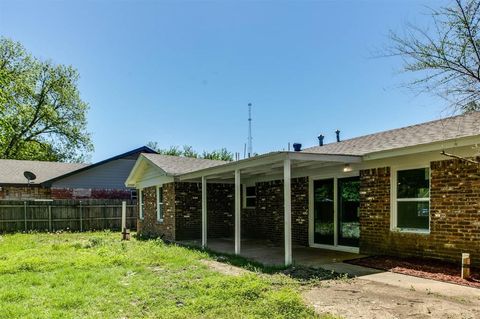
(181,72)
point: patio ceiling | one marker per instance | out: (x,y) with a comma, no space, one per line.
(270,165)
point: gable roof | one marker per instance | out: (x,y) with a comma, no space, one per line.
(176,165)
(133,154)
(11,171)
(450,128)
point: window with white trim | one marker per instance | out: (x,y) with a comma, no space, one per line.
(159,204)
(141,203)
(250,197)
(133,194)
(412,195)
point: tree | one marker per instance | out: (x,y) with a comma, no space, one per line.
(187,151)
(447,57)
(42,116)
(222,155)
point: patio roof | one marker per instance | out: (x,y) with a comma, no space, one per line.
(276,165)
(270,165)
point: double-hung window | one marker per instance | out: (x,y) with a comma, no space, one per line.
(133,194)
(159,204)
(141,203)
(250,197)
(412,195)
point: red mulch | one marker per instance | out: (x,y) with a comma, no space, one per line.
(423,268)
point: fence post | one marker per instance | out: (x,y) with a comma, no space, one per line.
(25,213)
(81,217)
(104,212)
(49,218)
(124,216)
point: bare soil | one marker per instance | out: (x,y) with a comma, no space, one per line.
(359,298)
(423,268)
(223,268)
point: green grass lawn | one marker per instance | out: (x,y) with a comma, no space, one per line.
(95,275)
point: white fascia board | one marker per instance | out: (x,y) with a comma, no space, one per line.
(232,166)
(155,181)
(135,177)
(131,179)
(430,147)
(268,159)
(332,158)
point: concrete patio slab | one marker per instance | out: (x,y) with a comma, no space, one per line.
(268,254)
(351,270)
(422,284)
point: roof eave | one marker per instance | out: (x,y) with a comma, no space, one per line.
(267,159)
(421,148)
(132,177)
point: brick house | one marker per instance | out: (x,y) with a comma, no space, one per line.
(393,192)
(54,180)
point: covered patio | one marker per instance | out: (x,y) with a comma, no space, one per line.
(271,255)
(269,167)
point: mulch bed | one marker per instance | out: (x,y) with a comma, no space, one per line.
(423,268)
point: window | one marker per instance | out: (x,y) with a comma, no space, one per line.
(159,204)
(413,199)
(141,204)
(133,194)
(250,197)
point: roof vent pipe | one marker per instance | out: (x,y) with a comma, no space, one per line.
(338,135)
(320,140)
(297,147)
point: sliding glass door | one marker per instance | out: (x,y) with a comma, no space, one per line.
(336,204)
(348,211)
(324,228)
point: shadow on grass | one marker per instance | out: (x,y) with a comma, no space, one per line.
(298,272)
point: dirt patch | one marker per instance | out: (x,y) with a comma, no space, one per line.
(307,273)
(358,298)
(223,268)
(423,268)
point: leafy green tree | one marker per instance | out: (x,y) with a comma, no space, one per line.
(187,151)
(445,57)
(222,155)
(42,116)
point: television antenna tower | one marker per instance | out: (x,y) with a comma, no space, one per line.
(250,148)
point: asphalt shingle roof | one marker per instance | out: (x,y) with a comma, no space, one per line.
(175,165)
(435,131)
(11,171)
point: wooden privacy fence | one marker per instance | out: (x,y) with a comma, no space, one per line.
(74,215)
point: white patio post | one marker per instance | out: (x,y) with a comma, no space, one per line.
(204,211)
(238,208)
(287,200)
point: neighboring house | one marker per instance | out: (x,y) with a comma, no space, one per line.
(102,180)
(392,193)
(14,185)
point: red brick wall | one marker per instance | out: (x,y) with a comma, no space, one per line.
(454,214)
(221,210)
(266,221)
(24,192)
(374,210)
(269,220)
(183,211)
(188,211)
(149,226)
(455,209)
(188,206)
